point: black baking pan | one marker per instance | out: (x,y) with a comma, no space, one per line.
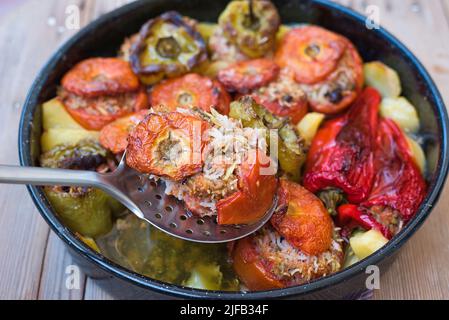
(103,38)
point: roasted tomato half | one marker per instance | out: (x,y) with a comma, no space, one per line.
(255,196)
(251,26)
(95,113)
(302,219)
(114,136)
(168,46)
(341,87)
(311,52)
(251,269)
(266,261)
(283,97)
(100,77)
(167,145)
(191,90)
(248,75)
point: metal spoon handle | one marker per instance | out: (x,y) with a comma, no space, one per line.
(110,183)
(48,177)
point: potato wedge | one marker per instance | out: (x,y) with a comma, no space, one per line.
(55,116)
(206,29)
(366,243)
(309,126)
(205,277)
(212,68)
(55,137)
(89,242)
(350,258)
(60,128)
(401,111)
(383,78)
(283,29)
(418,154)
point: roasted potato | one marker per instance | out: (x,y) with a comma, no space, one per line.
(383,78)
(309,125)
(401,111)
(418,154)
(206,29)
(60,128)
(366,243)
(205,277)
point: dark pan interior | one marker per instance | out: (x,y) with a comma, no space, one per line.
(104,36)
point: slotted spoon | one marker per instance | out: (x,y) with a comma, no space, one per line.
(142,196)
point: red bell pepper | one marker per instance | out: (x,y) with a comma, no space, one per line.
(342,153)
(351,216)
(398,183)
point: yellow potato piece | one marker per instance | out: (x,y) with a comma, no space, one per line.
(383,78)
(212,68)
(55,137)
(309,125)
(418,154)
(366,243)
(401,111)
(89,242)
(350,258)
(55,116)
(152,79)
(60,128)
(283,30)
(205,277)
(206,29)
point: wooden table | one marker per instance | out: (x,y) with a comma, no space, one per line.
(33,260)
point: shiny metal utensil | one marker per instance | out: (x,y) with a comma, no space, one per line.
(142,196)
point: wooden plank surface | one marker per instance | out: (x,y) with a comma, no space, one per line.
(33,261)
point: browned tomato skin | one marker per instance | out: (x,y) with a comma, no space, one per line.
(249,268)
(253,200)
(114,136)
(248,75)
(96,122)
(311,52)
(302,219)
(101,76)
(357,67)
(143,140)
(201,92)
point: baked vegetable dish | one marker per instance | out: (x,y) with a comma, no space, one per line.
(232,116)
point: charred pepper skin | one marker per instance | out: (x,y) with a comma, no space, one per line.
(398,183)
(342,153)
(166,50)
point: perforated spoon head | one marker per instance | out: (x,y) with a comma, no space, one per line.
(147,199)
